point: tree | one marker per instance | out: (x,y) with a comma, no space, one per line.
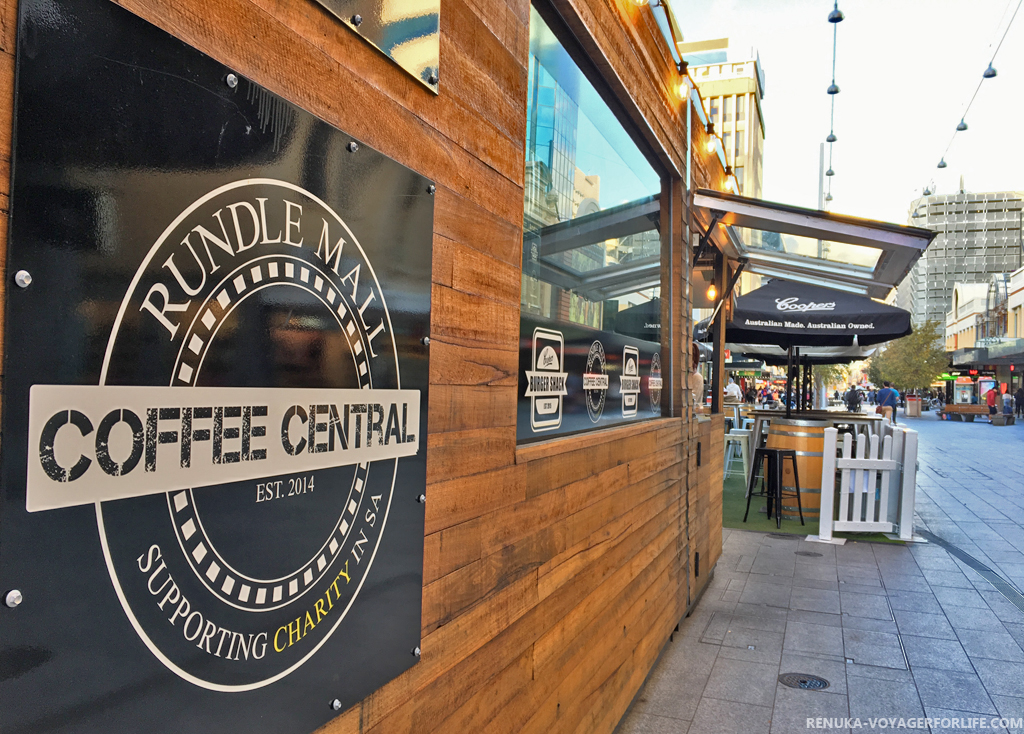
(913,362)
(832,374)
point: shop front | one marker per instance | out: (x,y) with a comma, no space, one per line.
(345,366)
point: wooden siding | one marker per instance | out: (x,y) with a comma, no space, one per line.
(553,574)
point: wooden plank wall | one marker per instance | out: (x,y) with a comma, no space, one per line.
(554,574)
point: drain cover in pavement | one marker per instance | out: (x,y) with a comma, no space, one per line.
(802,680)
(810,554)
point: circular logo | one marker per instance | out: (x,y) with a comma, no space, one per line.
(258,284)
(654,383)
(595,382)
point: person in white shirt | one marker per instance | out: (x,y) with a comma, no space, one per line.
(696,380)
(733,392)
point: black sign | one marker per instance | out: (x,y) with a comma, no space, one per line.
(215,395)
(573,378)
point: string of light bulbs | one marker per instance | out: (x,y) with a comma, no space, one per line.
(684,86)
(835,17)
(989,73)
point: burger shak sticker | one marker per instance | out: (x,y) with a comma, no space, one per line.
(238,524)
(546,383)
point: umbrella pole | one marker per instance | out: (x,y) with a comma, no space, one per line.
(796,396)
(789,375)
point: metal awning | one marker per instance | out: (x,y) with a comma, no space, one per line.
(806,245)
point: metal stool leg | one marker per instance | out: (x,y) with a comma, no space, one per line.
(778,492)
(796,481)
(758,457)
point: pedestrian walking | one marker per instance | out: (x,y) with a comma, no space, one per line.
(887,400)
(1019,397)
(853,399)
(990,399)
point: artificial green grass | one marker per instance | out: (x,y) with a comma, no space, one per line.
(734,503)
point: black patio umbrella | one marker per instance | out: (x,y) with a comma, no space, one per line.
(799,315)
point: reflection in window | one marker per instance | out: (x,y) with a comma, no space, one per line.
(591,247)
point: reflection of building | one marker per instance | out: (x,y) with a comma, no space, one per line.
(732,87)
(979,235)
(583,272)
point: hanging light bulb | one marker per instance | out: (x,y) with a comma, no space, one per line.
(990,72)
(640,3)
(710,130)
(830,172)
(833,88)
(831,138)
(712,293)
(942,163)
(962,126)
(683,89)
(836,15)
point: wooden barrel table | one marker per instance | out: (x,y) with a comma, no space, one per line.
(807,439)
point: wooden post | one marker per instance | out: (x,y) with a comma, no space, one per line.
(828,484)
(674,322)
(909,486)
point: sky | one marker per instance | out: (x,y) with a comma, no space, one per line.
(906,68)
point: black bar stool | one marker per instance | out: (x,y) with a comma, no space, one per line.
(772,460)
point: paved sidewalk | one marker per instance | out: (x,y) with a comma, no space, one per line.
(971,489)
(897,631)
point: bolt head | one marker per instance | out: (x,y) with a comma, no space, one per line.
(23,278)
(421,499)
(426,341)
(336,705)
(431,189)
(357,20)
(352,147)
(231,80)
(432,80)
(416,651)
(14,598)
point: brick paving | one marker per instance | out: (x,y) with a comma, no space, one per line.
(898,631)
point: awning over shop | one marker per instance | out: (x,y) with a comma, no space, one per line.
(1002,352)
(805,245)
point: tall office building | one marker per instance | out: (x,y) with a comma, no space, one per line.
(979,235)
(732,87)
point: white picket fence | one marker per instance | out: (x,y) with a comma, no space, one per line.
(876,491)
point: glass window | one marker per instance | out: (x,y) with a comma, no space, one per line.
(714,108)
(591,307)
(741,110)
(729,102)
(727,144)
(741,143)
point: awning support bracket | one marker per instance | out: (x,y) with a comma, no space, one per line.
(705,239)
(728,291)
